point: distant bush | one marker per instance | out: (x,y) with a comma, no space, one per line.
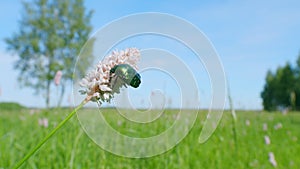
(10,106)
(282,88)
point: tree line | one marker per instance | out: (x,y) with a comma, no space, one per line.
(282,88)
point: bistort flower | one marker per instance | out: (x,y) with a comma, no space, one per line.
(101,84)
(272,159)
(267,140)
(57,77)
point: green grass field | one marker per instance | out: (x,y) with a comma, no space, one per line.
(71,147)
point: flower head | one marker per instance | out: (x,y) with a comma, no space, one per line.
(43,122)
(57,77)
(265,127)
(267,140)
(247,122)
(100,84)
(272,159)
(278,126)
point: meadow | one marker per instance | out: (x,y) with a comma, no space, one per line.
(22,128)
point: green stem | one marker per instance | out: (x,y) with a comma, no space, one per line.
(234,119)
(49,135)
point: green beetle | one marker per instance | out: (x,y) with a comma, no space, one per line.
(127,74)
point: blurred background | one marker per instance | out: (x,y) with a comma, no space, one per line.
(251,38)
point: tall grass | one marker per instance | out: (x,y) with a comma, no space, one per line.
(72,148)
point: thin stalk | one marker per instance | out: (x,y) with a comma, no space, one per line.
(50,135)
(234,119)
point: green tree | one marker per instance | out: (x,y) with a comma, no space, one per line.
(51,35)
(268,92)
(297,83)
(280,89)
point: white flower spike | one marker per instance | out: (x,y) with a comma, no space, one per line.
(103,82)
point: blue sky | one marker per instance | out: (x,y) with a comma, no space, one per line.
(250,37)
